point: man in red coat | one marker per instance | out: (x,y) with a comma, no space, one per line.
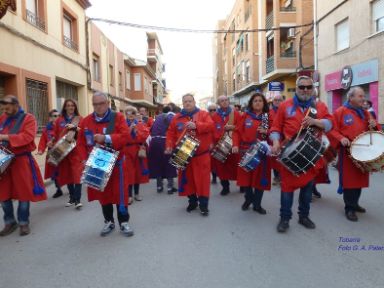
(22,180)
(107,128)
(290,116)
(194,180)
(145,118)
(350,120)
(225,120)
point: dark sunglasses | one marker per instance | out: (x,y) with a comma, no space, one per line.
(302,87)
(212,110)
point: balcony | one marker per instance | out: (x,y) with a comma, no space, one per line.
(270,64)
(34,20)
(269,21)
(288,54)
(153,55)
(68,42)
(288,9)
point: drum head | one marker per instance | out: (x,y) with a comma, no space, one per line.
(368,146)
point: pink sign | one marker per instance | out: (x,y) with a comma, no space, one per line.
(333,81)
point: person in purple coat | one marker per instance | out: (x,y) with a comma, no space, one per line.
(158,162)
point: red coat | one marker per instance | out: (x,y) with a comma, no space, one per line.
(18,181)
(288,123)
(115,191)
(148,121)
(348,124)
(227,170)
(137,166)
(245,135)
(70,168)
(47,135)
(195,179)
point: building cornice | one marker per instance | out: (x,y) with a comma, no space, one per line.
(84,3)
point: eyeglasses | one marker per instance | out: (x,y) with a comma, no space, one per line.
(212,110)
(308,87)
(99,104)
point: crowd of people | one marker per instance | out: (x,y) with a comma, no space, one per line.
(258,136)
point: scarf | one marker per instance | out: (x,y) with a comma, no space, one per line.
(224,113)
(9,119)
(184,113)
(302,104)
(105,119)
(359,111)
(129,123)
(254,116)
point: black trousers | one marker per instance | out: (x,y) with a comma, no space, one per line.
(135,187)
(108,214)
(351,199)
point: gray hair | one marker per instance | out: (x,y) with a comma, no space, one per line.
(221,96)
(351,92)
(188,95)
(303,77)
(102,94)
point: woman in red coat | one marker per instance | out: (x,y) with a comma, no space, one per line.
(134,154)
(252,127)
(48,135)
(70,168)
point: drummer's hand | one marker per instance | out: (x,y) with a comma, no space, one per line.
(4,137)
(39,153)
(99,138)
(229,127)
(168,151)
(235,149)
(262,130)
(372,123)
(190,125)
(309,121)
(70,126)
(345,142)
(275,147)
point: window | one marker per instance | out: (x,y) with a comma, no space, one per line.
(246,42)
(37,101)
(137,83)
(96,67)
(247,72)
(70,31)
(233,57)
(342,35)
(120,81)
(233,82)
(128,80)
(110,76)
(34,13)
(145,85)
(378,15)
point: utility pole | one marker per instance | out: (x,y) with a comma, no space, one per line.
(315,34)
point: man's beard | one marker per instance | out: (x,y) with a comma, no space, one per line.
(304,97)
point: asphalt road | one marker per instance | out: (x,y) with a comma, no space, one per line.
(172,248)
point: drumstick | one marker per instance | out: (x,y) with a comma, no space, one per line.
(301,128)
(359,144)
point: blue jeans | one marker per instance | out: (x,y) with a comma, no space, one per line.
(305,197)
(22,212)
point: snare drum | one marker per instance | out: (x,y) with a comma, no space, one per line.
(60,150)
(252,158)
(300,155)
(99,166)
(367,151)
(184,151)
(223,148)
(6,158)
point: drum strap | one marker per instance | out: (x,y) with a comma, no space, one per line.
(111,124)
(16,128)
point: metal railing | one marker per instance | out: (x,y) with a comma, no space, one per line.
(70,43)
(270,64)
(269,21)
(288,54)
(33,19)
(287,9)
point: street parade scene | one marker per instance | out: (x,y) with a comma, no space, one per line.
(149,173)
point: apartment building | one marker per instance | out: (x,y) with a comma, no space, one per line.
(351,37)
(43,54)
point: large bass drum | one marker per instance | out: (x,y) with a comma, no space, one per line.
(301,154)
(184,152)
(367,151)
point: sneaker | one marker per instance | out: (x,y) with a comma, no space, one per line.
(138,198)
(360,209)
(160,189)
(108,227)
(351,216)
(70,203)
(307,223)
(316,193)
(171,190)
(191,207)
(283,226)
(260,210)
(125,229)
(24,230)
(204,211)
(78,205)
(130,200)
(8,229)
(57,194)
(224,191)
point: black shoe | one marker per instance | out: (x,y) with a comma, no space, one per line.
(307,223)
(191,207)
(57,194)
(171,190)
(260,210)
(283,226)
(242,189)
(316,193)
(351,216)
(160,189)
(224,192)
(360,209)
(204,211)
(246,205)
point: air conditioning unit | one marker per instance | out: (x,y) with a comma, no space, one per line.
(291,33)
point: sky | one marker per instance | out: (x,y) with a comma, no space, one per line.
(188,56)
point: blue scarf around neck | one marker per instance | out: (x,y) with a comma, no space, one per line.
(359,111)
(224,113)
(106,118)
(302,104)
(253,115)
(9,119)
(185,113)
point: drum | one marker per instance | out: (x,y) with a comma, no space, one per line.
(6,158)
(252,158)
(367,151)
(60,150)
(99,166)
(301,154)
(223,148)
(184,151)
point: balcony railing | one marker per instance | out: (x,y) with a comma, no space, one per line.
(269,21)
(270,64)
(287,9)
(70,43)
(34,20)
(288,54)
